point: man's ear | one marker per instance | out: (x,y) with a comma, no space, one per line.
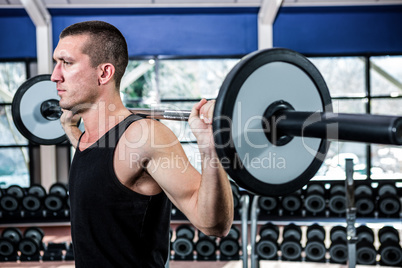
(106,73)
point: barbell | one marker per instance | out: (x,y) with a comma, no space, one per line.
(272,121)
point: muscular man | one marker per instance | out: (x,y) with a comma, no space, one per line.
(127,169)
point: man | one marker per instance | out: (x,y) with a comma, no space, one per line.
(126,168)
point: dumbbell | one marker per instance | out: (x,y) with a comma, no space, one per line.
(291,248)
(31,244)
(11,200)
(269,205)
(183,245)
(56,200)
(205,247)
(315,248)
(364,232)
(338,251)
(292,203)
(364,201)
(337,200)
(314,199)
(229,246)
(388,203)
(390,248)
(366,253)
(54,251)
(69,253)
(8,251)
(9,244)
(267,247)
(32,202)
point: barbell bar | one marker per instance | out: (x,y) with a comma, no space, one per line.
(272,121)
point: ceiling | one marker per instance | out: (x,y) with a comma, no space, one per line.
(190,3)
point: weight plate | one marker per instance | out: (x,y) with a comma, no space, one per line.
(315,250)
(205,247)
(6,248)
(59,189)
(37,190)
(28,247)
(260,79)
(229,247)
(391,255)
(339,253)
(337,204)
(267,203)
(314,203)
(31,203)
(15,191)
(387,188)
(291,250)
(53,202)
(267,249)
(26,111)
(366,255)
(183,247)
(234,233)
(13,234)
(9,203)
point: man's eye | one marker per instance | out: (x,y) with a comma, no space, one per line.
(66,62)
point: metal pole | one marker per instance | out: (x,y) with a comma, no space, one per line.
(179,115)
(350,214)
(245,201)
(253,231)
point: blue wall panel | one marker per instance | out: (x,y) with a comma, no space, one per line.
(222,31)
(336,30)
(178,34)
(17,37)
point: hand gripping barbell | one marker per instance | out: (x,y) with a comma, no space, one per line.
(272,121)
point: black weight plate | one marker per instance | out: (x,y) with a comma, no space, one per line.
(258,80)
(27,114)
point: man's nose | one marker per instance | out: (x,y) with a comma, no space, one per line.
(56,74)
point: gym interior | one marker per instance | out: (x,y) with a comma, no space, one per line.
(346,210)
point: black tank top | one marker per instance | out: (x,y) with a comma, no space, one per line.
(111,225)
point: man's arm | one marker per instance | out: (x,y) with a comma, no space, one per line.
(206,199)
(69,123)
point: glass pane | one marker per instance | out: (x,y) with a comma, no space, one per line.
(14,167)
(387,106)
(344,75)
(12,75)
(333,167)
(386,75)
(349,106)
(138,86)
(193,79)
(9,134)
(386,162)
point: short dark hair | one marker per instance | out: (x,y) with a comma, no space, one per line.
(106,44)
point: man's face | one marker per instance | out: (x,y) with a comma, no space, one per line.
(76,80)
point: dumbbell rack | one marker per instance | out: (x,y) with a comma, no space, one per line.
(349,220)
(185,238)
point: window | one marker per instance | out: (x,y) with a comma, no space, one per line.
(176,84)
(386,91)
(14,156)
(180,83)
(346,78)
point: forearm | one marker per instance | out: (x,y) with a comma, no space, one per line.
(215,199)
